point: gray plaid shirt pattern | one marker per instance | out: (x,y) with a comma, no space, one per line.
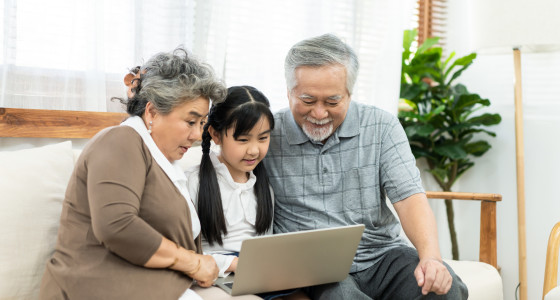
(346,180)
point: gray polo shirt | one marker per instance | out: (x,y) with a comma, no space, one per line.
(346,180)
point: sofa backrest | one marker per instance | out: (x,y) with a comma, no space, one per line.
(33,183)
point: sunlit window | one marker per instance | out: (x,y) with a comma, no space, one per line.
(66,54)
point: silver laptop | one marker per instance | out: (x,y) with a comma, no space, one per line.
(292,260)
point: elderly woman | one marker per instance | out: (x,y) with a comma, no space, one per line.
(128,228)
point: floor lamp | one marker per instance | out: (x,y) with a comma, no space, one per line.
(502,26)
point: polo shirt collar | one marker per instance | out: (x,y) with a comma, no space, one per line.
(350,126)
(294,133)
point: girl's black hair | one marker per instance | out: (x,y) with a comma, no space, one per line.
(242,109)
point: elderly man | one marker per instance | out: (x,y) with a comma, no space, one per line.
(332,162)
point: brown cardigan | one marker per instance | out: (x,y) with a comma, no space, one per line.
(118,205)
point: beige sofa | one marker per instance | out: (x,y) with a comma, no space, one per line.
(33,180)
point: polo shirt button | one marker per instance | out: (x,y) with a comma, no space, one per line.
(325,170)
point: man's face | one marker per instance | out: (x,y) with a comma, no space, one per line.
(319,100)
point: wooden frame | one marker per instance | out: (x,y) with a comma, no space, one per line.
(551,266)
(488,251)
(80,124)
(41,123)
(520,172)
(431,20)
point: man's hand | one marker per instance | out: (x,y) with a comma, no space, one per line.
(432,275)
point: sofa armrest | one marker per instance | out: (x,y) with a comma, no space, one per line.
(488,251)
(551,266)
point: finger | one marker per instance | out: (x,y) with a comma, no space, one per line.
(201,283)
(206,283)
(439,282)
(419,274)
(429,277)
(446,281)
(448,284)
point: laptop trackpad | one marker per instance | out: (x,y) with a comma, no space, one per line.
(225,283)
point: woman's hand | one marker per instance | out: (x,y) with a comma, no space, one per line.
(200,267)
(233,265)
(207,272)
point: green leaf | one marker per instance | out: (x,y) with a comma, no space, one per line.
(453,151)
(411,115)
(436,111)
(459,89)
(421,130)
(461,129)
(476,130)
(410,91)
(469,100)
(463,164)
(408,38)
(411,104)
(464,61)
(477,148)
(428,43)
(429,58)
(440,174)
(485,119)
(456,74)
(448,60)
(420,152)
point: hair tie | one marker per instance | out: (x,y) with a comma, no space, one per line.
(131,80)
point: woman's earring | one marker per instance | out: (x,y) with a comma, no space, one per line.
(150,128)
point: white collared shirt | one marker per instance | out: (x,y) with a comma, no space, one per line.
(239,206)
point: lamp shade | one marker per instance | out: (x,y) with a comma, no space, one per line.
(501,25)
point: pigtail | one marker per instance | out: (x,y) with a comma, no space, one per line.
(210,212)
(264,200)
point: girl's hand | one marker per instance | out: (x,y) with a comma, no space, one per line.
(233,265)
(208,271)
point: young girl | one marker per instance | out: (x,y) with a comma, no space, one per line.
(230,188)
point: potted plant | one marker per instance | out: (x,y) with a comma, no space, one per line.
(439,117)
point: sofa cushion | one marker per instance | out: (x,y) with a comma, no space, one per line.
(32,183)
(553,294)
(483,280)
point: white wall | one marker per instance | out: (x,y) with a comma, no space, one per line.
(492,76)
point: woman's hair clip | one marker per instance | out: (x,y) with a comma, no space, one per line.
(131,80)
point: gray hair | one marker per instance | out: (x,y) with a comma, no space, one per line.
(168,80)
(323,50)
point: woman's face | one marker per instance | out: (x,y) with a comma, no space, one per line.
(176,132)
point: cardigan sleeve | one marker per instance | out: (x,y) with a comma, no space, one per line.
(116,175)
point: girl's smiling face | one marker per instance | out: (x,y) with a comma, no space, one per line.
(242,154)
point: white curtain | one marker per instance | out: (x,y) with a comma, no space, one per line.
(73,55)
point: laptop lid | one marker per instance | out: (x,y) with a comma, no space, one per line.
(296,259)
